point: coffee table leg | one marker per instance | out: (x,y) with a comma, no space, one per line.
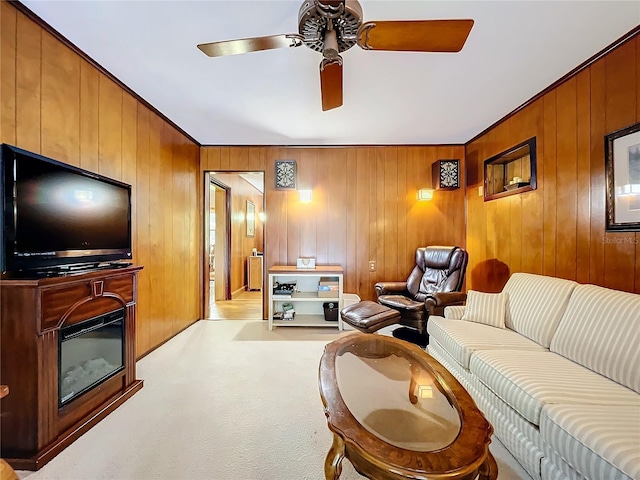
(333,462)
(489,469)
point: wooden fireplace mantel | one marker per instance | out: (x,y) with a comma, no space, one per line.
(33,429)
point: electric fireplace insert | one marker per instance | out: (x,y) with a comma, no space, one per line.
(89,353)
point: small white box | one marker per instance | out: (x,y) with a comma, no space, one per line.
(306,263)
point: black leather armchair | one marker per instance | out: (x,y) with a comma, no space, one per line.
(434,284)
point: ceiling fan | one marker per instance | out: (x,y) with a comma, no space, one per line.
(332,27)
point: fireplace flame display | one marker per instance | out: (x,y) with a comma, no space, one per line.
(80,377)
(90,353)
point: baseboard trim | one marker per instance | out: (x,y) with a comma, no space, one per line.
(238,291)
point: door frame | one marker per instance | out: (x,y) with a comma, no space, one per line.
(208,181)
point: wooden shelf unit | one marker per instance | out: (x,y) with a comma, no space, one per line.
(502,170)
(33,427)
(307,303)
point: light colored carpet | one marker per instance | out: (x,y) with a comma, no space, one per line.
(223,400)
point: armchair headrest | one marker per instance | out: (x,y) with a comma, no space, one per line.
(438,269)
(437,257)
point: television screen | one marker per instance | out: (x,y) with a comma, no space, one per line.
(56,214)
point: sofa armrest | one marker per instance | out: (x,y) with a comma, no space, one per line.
(391,288)
(454,312)
(435,302)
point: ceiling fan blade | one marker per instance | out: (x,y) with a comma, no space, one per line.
(415,35)
(246,45)
(331,83)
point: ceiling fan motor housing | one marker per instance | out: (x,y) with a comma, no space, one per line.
(314,20)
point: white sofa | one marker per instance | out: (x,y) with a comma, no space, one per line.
(560,383)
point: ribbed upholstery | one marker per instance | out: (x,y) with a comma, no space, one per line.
(535,305)
(550,471)
(554,408)
(607,437)
(514,432)
(529,380)
(601,330)
(438,352)
(567,470)
(454,312)
(520,446)
(518,421)
(485,308)
(461,338)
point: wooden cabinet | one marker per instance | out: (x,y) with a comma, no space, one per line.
(33,426)
(254,272)
(307,302)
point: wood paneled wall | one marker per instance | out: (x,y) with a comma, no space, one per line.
(559,229)
(364,207)
(241,245)
(55,103)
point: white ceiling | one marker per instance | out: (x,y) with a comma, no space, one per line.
(514,51)
(254,178)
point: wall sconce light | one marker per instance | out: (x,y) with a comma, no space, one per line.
(262,216)
(305,195)
(425,194)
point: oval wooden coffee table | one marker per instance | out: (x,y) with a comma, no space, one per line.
(396,413)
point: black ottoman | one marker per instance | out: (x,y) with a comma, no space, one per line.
(368,316)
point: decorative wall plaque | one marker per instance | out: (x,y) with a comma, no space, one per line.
(446,174)
(285,174)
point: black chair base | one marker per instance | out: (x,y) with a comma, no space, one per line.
(411,335)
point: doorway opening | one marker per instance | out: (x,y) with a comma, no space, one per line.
(234,245)
(219,241)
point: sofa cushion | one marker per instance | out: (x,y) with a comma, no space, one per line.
(528,380)
(598,441)
(454,312)
(550,471)
(600,329)
(461,338)
(486,308)
(535,305)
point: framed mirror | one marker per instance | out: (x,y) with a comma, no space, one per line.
(251,219)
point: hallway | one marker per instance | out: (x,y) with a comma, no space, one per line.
(246,306)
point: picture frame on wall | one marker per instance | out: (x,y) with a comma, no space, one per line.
(622,169)
(285,174)
(251,219)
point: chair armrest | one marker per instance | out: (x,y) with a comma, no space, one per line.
(391,288)
(435,302)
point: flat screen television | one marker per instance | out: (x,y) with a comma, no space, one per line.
(56,216)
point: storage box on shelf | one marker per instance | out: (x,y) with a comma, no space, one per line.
(306,298)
